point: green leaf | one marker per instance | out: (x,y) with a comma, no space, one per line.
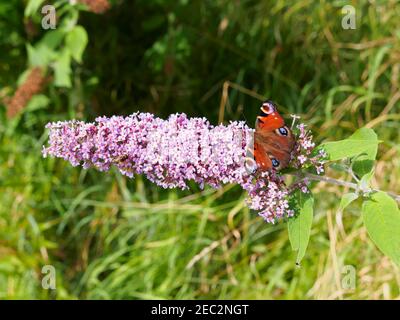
(39,56)
(76,41)
(363,167)
(52,39)
(363,141)
(69,21)
(23,76)
(32,7)
(299,227)
(38,101)
(44,52)
(381,217)
(62,70)
(364,163)
(364,183)
(338,167)
(347,199)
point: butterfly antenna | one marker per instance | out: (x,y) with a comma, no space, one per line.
(294,117)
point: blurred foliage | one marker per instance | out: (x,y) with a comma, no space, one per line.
(112,237)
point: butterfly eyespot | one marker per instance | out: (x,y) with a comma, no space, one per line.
(283,131)
(268,107)
(275,163)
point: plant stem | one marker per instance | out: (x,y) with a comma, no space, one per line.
(351,185)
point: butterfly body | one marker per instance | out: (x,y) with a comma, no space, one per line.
(273,140)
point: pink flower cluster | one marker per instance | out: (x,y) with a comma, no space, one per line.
(168,152)
(302,153)
(171,152)
(269,195)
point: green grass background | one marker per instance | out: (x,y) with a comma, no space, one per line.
(110,237)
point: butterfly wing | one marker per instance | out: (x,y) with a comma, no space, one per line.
(261,156)
(273,141)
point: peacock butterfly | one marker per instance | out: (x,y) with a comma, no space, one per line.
(273,141)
